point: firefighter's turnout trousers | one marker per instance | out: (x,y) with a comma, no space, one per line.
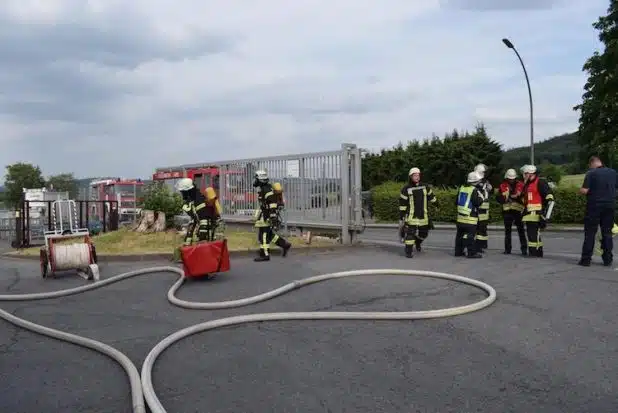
(532,221)
(266,234)
(413,211)
(467,223)
(481,237)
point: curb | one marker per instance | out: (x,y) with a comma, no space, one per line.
(497,228)
(393,246)
(170,256)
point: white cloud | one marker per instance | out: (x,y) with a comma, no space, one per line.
(111,87)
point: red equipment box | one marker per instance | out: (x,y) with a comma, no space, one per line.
(205,258)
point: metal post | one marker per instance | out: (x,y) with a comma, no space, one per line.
(358,203)
(346,238)
(511,46)
(134,203)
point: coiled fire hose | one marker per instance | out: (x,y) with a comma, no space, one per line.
(142,387)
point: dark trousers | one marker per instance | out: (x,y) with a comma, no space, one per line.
(598,217)
(465,239)
(414,235)
(535,243)
(514,217)
(266,237)
(481,235)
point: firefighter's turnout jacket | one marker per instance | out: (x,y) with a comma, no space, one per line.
(510,196)
(469,201)
(484,208)
(537,195)
(414,200)
(268,205)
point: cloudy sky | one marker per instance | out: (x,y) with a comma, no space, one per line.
(115,87)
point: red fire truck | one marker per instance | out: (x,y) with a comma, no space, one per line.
(127,192)
(238,191)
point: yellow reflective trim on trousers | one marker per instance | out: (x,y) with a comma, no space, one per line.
(418,221)
(484,216)
(272,206)
(265,245)
(403,208)
(409,242)
(467,220)
(484,205)
(531,217)
(482,237)
(404,197)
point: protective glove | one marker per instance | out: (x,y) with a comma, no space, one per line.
(543,222)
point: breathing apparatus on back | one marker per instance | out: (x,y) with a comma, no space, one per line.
(278,190)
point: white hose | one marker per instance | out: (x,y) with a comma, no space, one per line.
(143,387)
(71,256)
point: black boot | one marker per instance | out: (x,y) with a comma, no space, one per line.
(284,245)
(417,244)
(408,251)
(474,255)
(262,257)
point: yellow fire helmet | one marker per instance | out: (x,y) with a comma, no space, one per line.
(277,187)
(210,193)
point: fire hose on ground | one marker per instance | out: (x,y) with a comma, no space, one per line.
(142,387)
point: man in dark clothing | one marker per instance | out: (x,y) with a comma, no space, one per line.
(600,189)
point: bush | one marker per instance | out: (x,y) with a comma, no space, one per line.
(569,208)
(158,197)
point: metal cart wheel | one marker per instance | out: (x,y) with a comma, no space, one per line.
(44,261)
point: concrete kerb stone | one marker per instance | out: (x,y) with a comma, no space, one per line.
(170,256)
(393,246)
(499,228)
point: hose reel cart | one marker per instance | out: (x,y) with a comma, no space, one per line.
(60,255)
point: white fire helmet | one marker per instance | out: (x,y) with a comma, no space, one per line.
(529,169)
(474,177)
(184,184)
(414,171)
(510,174)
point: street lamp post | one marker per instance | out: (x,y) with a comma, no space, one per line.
(510,45)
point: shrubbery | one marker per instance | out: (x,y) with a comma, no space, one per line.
(160,198)
(569,208)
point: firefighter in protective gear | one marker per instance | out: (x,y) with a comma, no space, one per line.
(538,205)
(267,218)
(469,200)
(509,197)
(205,211)
(481,232)
(414,200)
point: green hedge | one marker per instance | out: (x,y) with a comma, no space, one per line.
(569,207)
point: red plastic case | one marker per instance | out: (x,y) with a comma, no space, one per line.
(205,258)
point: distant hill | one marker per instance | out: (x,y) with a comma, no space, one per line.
(559,150)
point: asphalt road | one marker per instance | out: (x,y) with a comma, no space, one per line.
(549,344)
(554,242)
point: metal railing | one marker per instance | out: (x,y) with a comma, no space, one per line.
(322,190)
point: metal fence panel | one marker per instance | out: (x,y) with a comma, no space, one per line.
(321,189)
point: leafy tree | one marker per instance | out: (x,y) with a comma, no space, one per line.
(553,173)
(159,197)
(598,121)
(18,176)
(443,162)
(63,183)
